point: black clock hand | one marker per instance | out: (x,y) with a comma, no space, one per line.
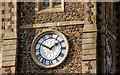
(54,45)
(46,46)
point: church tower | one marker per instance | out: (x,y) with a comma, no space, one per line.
(57,37)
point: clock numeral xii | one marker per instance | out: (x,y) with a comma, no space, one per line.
(50,35)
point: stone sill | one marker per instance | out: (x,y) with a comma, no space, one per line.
(51,10)
(66,23)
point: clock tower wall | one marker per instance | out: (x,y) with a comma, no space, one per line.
(78,19)
(21,22)
(77,22)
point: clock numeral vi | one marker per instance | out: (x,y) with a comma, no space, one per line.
(50,62)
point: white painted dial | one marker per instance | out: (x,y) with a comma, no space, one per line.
(53,51)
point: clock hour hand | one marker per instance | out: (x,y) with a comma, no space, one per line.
(46,46)
(54,45)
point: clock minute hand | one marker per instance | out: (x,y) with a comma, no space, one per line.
(46,46)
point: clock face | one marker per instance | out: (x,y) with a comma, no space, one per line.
(49,49)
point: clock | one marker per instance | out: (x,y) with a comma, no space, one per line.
(49,48)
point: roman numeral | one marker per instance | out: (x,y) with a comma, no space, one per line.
(56,37)
(50,35)
(39,57)
(56,59)
(44,61)
(63,48)
(50,62)
(62,41)
(44,38)
(40,41)
(61,54)
(37,46)
(37,50)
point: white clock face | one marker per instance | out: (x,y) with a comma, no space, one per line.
(50,49)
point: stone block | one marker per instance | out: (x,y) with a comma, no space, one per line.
(1,47)
(88,46)
(10,42)
(93,63)
(89,41)
(88,57)
(8,52)
(10,35)
(8,58)
(89,28)
(91,35)
(13,70)
(0,64)
(1,44)
(89,52)
(3,71)
(8,15)
(0,60)
(84,35)
(0,71)
(9,47)
(0,35)
(84,66)
(8,63)
(93,71)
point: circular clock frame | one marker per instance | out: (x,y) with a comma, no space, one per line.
(45,32)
